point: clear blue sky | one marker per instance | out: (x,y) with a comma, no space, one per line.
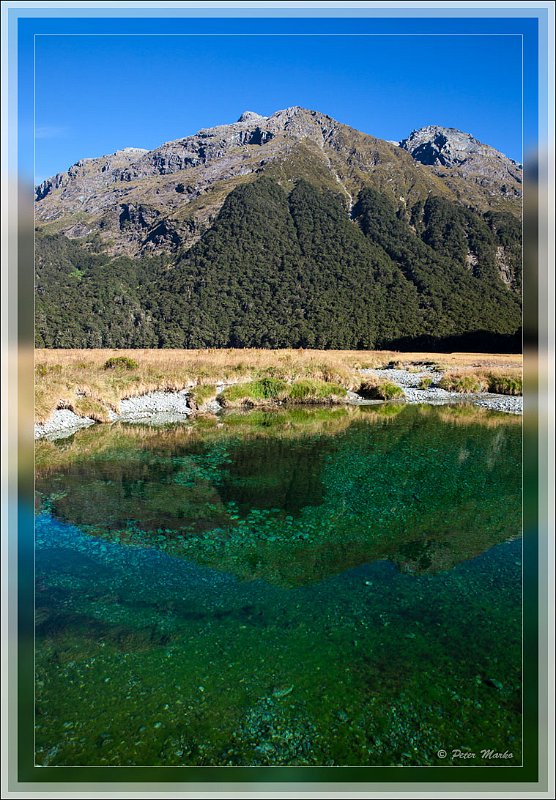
(96,94)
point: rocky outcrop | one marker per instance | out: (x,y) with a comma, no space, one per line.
(447,150)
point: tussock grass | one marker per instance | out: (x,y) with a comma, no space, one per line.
(268,390)
(203,393)
(466,383)
(88,406)
(315,391)
(120,362)
(510,383)
(425,382)
(378,389)
(254,392)
(500,383)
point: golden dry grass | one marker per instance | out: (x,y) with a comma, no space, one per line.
(77,379)
(506,381)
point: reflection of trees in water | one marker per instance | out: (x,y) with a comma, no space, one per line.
(293,499)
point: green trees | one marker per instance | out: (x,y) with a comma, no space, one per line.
(87,299)
(290,270)
(279,271)
(449,255)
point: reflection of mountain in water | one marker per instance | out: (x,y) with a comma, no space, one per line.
(295,497)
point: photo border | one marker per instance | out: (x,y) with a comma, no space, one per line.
(18,334)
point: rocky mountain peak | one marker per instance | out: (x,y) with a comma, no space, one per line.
(435,145)
(251,116)
(452,154)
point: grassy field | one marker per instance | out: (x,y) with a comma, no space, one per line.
(90,382)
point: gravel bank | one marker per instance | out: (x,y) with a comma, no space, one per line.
(409,381)
(501,402)
(62,422)
(147,405)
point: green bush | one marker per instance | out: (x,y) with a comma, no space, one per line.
(464,384)
(505,384)
(311,390)
(202,393)
(253,391)
(120,362)
(384,390)
(425,382)
(269,388)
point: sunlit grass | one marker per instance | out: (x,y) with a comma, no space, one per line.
(380,389)
(507,382)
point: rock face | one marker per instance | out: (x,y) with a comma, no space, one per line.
(451,153)
(139,200)
(250,116)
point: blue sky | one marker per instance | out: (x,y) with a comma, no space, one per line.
(96,94)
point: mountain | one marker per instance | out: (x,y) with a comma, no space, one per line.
(140,201)
(288,230)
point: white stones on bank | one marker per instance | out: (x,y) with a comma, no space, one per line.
(501,402)
(156,407)
(62,422)
(145,405)
(434,395)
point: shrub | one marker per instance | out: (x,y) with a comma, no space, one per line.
(462,383)
(202,393)
(310,390)
(425,382)
(381,390)
(505,384)
(120,362)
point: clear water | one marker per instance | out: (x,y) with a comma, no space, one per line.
(313,587)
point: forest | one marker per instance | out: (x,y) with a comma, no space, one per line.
(294,269)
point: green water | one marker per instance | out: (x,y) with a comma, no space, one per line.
(312,587)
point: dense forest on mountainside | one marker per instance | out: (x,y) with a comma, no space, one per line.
(297,270)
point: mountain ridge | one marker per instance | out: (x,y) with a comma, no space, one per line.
(144,200)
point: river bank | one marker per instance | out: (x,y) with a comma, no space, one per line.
(77,388)
(167,407)
(409,382)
